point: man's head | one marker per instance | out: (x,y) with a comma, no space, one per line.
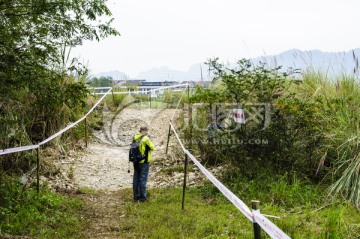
(144,130)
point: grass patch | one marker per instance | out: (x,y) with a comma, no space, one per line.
(175,169)
(43,215)
(162,217)
(208,214)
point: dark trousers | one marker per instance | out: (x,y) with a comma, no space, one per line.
(141,173)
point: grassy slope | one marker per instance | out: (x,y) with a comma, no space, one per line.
(44,215)
(209,215)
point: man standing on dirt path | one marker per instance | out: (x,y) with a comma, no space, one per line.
(141,169)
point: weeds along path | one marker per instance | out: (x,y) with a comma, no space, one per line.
(104,167)
(105,212)
(105,163)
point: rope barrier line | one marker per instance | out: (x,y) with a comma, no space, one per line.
(100,88)
(101,99)
(18,149)
(143,92)
(182,95)
(25,148)
(177,136)
(270,228)
(255,216)
(228,194)
(30,147)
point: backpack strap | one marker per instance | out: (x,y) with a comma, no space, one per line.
(139,139)
(146,148)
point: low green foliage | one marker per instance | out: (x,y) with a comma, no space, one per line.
(311,125)
(175,169)
(208,214)
(101,81)
(23,212)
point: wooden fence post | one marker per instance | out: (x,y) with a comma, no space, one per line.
(189,120)
(112,93)
(86,140)
(38,170)
(150,99)
(184,185)
(168,139)
(257,230)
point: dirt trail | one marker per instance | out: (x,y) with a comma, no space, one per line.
(103,167)
(105,212)
(105,163)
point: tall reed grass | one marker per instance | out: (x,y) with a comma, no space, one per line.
(338,101)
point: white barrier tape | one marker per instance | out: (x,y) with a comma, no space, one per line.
(145,91)
(61,131)
(265,215)
(270,228)
(100,88)
(24,148)
(75,123)
(177,136)
(97,103)
(182,95)
(255,216)
(168,87)
(227,193)
(18,149)
(118,93)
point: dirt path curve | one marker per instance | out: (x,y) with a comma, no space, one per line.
(105,163)
(105,213)
(104,167)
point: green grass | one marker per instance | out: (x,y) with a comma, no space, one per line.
(208,214)
(175,169)
(162,217)
(153,105)
(304,212)
(43,215)
(337,101)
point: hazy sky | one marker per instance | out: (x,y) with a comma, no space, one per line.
(178,33)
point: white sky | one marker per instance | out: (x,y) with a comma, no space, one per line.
(179,33)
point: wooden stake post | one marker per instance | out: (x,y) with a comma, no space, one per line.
(257,230)
(86,140)
(184,185)
(38,170)
(168,139)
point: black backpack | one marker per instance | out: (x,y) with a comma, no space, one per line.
(134,153)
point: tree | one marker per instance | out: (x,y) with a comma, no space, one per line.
(251,83)
(102,81)
(33,32)
(38,86)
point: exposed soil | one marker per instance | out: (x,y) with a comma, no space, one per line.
(105,211)
(103,166)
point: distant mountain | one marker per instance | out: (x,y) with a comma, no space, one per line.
(116,75)
(331,63)
(167,74)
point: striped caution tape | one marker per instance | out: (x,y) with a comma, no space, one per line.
(143,92)
(18,149)
(255,216)
(271,229)
(29,147)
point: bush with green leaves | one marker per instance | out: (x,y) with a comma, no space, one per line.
(25,213)
(313,129)
(244,86)
(42,88)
